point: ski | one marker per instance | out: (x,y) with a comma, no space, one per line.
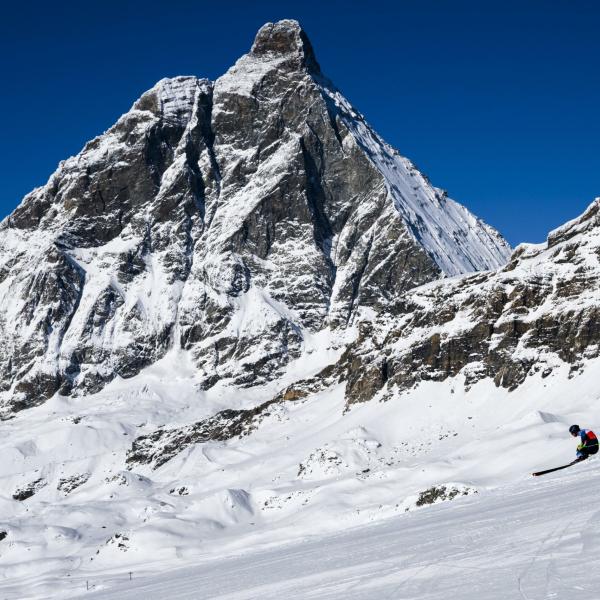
(555,468)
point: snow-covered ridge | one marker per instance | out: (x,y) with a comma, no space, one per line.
(588,220)
(458,241)
(538,313)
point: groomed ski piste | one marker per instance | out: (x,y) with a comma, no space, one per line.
(533,540)
(319,501)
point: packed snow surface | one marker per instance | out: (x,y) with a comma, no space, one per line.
(531,540)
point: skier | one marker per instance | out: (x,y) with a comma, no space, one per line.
(588,445)
(589,441)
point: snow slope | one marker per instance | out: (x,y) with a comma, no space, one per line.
(531,540)
(311,469)
(455,238)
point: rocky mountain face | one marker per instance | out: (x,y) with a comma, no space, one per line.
(234,220)
(538,312)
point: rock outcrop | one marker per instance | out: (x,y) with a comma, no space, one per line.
(539,311)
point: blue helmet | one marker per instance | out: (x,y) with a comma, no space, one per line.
(574,429)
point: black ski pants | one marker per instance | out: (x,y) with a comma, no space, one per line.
(587,451)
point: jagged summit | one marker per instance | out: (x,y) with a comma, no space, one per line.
(285,38)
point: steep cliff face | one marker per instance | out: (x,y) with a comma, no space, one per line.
(229,218)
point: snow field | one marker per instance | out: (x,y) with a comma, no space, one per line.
(312,469)
(530,540)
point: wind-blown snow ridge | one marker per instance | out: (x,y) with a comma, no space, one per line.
(458,241)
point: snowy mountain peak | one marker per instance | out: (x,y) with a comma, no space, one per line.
(276,68)
(233,221)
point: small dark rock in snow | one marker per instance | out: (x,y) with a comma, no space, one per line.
(29,490)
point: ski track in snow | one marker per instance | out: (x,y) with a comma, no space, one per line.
(530,540)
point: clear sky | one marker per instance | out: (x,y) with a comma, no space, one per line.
(497,102)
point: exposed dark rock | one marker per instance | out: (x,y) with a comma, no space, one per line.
(120,540)
(68,484)
(162,445)
(27,491)
(441,494)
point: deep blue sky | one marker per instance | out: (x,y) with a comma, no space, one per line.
(497,102)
